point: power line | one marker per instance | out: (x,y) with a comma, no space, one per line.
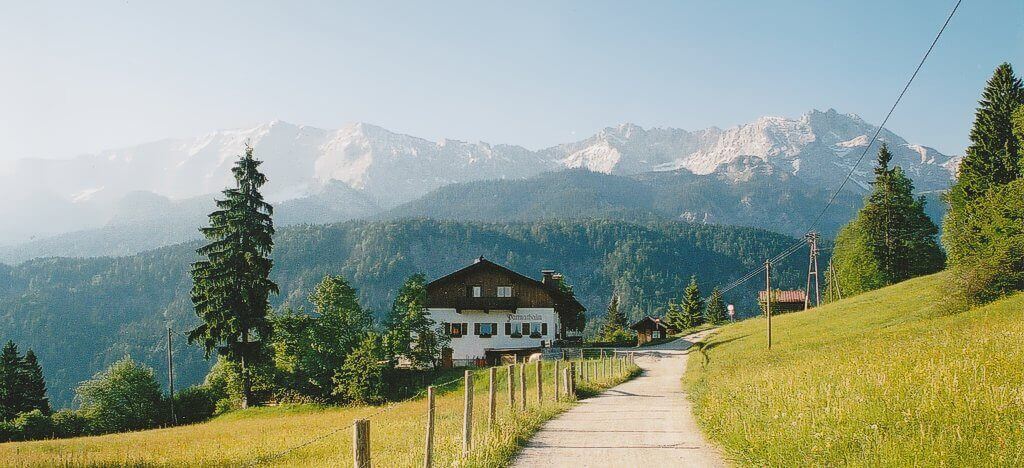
(860,159)
(886,119)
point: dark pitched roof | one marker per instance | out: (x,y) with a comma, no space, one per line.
(651,320)
(482,263)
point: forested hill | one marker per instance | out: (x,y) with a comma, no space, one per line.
(751,193)
(80,315)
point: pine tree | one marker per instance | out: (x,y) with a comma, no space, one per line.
(33,386)
(10,381)
(993,157)
(231,287)
(891,239)
(693,304)
(615,323)
(716,312)
(674,317)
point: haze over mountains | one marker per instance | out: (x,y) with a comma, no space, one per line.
(131,199)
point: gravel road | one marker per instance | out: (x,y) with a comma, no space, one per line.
(646,422)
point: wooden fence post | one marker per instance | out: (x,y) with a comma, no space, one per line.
(540,382)
(558,378)
(361,443)
(428,456)
(492,398)
(567,378)
(570,388)
(467,416)
(511,385)
(522,384)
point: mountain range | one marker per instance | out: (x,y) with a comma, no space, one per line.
(132,199)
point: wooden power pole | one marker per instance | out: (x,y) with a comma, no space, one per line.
(768,298)
(812,271)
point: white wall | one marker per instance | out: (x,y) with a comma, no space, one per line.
(471,346)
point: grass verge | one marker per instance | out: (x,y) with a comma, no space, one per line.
(881,379)
(261,436)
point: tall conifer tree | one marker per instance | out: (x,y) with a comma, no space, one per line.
(231,287)
(891,239)
(993,157)
(33,385)
(716,312)
(10,391)
(615,322)
(693,304)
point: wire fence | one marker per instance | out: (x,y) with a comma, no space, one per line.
(519,392)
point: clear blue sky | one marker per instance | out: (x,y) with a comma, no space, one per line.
(83,76)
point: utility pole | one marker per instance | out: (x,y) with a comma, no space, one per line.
(832,291)
(812,271)
(768,298)
(170,375)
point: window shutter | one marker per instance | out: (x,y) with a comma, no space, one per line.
(544,328)
(465,328)
(494,329)
(476,329)
(526,328)
(508,328)
(447,328)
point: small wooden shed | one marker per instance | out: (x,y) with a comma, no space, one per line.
(649,328)
(784,301)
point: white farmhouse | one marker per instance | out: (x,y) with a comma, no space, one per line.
(491,312)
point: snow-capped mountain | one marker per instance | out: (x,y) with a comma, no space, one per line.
(820,147)
(50,196)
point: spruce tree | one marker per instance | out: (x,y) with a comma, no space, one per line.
(33,385)
(891,239)
(993,156)
(674,317)
(10,381)
(693,304)
(716,312)
(615,322)
(231,286)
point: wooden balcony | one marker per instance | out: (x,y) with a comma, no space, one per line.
(486,304)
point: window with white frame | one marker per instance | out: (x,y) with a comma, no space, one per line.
(504,291)
(477,291)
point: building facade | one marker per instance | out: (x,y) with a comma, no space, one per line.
(492,313)
(648,329)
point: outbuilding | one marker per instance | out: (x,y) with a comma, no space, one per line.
(649,328)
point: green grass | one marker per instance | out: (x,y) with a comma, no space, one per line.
(885,378)
(397,433)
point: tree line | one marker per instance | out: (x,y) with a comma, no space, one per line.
(689,312)
(891,240)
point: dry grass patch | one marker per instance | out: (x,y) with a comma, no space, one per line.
(397,433)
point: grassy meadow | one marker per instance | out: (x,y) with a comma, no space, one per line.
(258,436)
(885,378)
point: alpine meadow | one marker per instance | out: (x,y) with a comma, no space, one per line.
(524,234)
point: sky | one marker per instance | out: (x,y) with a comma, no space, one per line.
(79,77)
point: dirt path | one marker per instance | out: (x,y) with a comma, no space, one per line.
(644,422)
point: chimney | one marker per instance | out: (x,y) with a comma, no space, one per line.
(548,277)
(479,259)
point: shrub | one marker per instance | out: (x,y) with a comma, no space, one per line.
(7,431)
(196,403)
(124,397)
(68,423)
(362,379)
(33,425)
(225,382)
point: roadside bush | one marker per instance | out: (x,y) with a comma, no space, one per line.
(68,423)
(124,397)
(363,378)
(33,425)
(7,431)
(989,253)
(225,382)
(195,404)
